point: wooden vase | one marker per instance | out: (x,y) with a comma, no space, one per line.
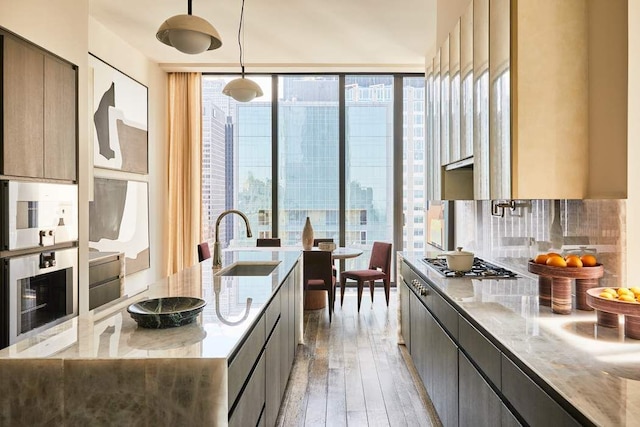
(307,235)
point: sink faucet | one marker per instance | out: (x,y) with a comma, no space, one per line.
(217,258)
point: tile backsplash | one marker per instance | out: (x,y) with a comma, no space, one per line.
(540,226)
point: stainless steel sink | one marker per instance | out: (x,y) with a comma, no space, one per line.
(249,268)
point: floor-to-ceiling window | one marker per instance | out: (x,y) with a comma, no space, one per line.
(308,156)
(330,151)
(236,161)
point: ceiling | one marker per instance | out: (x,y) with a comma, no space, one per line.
(296,35)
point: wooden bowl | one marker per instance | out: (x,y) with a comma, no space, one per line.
(608,311)
(627,308)
(594,272)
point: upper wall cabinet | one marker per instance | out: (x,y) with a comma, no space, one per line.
(466,83)
(543,132)
(454,95)
(39,107)
(445,115)
(481,99)
(549,84)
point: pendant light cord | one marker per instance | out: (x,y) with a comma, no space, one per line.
(239,42)
(189,7)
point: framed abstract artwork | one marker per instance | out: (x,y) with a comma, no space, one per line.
(119,220)
(119,118)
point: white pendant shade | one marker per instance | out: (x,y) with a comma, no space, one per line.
(189,34)
(243,90)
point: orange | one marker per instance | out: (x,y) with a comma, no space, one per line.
(550,254)
(572,256)
(574,261)
(588,260)
(541,259)
(556,261)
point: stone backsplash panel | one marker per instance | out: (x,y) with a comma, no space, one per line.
(537,226)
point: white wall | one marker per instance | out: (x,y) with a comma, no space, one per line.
(64,28)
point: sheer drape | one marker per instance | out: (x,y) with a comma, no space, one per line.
(184,186)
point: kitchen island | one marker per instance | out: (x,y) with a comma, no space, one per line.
(510,360)
(102,369)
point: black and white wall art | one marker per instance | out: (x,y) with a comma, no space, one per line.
(120,119)
(118,221)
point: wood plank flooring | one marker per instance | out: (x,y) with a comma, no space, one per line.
(352,372)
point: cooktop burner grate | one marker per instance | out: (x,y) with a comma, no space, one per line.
(481,269)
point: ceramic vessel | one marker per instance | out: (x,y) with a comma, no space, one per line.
(458,260)
(307,235)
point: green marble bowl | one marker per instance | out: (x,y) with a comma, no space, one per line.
(168,312)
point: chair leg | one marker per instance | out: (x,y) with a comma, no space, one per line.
(360,288)
(329,304)
(342,285)
(372,285)
(387,288)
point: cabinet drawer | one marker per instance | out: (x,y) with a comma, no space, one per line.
(104,270)
(104,293)
(273,312)
(444,312)
(535,406)
(481,350)
(243,361)
(251,403)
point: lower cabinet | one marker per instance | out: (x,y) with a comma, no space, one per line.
(273,382)
(259,371)
(479,404)
(251,402)
(435,357)
(405,324)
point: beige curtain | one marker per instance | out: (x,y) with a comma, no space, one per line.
(184,189)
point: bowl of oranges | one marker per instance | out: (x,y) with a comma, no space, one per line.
(571,266)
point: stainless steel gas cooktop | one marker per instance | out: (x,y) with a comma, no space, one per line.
(481,269)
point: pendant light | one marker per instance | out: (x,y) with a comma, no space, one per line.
(241,89)
(189,34)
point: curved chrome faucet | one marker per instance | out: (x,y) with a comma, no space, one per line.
(217,257)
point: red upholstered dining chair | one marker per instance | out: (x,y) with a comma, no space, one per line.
(203,251)
(379,269)
(317,275)
(267,242)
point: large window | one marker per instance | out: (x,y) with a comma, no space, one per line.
(308,156)
(348,197)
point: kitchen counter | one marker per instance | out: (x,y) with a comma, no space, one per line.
(104,358)
(596,369)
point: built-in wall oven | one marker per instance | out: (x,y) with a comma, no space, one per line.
(38,257)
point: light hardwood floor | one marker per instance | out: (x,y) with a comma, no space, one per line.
(352,372)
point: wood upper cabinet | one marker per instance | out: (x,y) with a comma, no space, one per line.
(59,120)
(23,110)
(39,100)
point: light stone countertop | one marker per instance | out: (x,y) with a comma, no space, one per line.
(596,369)
(101,368)
(111,333)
